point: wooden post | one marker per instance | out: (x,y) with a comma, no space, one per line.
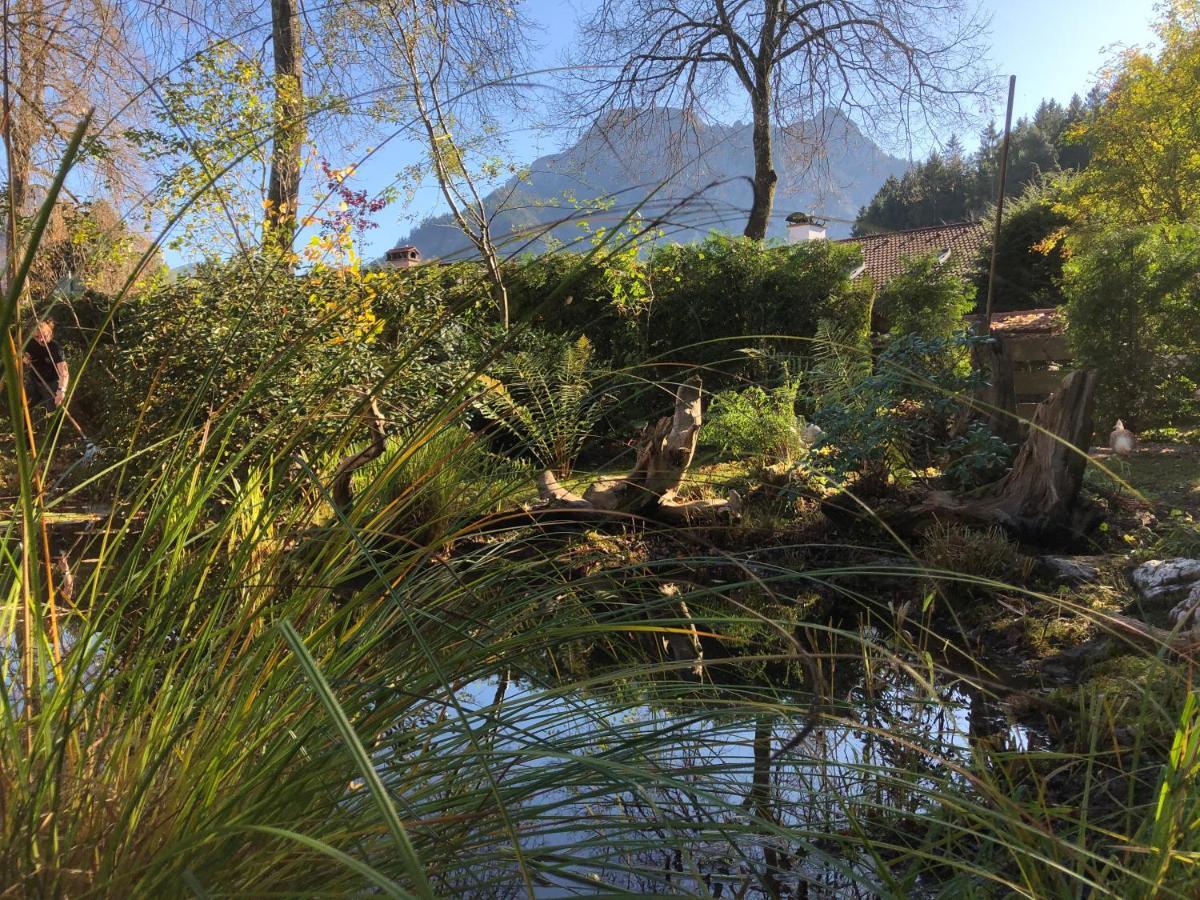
(1012,90)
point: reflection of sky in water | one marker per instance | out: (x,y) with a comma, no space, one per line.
(874,760)
(85,666)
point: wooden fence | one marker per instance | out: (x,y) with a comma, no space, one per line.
(1040,362)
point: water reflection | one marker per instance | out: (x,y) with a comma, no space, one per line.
(774,805)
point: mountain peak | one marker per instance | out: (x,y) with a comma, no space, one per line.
(687,175)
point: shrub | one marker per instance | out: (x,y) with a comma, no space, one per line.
(976,458)
(193,345)
(755,423)
(924,299)
(1133,314)
(898,416)
(424,483)
(712,297)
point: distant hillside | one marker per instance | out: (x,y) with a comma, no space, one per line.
(699,183)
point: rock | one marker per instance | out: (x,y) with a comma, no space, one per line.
(1163,579)
(1186,613)
(811,434)
(1068,570)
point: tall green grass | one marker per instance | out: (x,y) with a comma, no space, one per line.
(252,693)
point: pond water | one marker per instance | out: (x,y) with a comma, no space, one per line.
(769,805)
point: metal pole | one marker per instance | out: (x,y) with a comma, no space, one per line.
(1012,90)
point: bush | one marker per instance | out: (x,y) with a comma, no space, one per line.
(986,554)
(711,297)
(1133,314)
(426,483)
(898,416)
(195,344)
(755,424)
(976,458)
(1029,262)
(924,299)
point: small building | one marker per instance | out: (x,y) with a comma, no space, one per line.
(402,257)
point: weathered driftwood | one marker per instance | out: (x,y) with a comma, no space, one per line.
(1039,498)
(665,451)
(1186,643)
(340,485)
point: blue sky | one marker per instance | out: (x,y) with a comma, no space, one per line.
(1054,47)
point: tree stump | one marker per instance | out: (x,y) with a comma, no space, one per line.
(1042,490)
(1038,500)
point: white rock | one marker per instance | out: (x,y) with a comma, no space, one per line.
(1158,578)
(1186,613)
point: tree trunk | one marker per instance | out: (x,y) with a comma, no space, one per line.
(283,192)
(24,119)
(996,402)
(1038,499)
(765,177)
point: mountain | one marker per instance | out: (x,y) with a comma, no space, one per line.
(690,176)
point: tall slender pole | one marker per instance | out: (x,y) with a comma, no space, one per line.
(1012,90)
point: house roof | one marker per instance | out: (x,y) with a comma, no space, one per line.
(884,254)
(1027,321)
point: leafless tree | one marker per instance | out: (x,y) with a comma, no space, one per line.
(884,63)
(447,68)
(60,58)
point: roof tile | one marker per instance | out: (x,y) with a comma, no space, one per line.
(884,254)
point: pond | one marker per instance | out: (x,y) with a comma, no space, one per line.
(770,805)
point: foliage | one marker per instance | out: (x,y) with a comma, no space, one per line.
(897,418)
(925,299)
(191,345)
(546,400)
(754,423)
(87,247)
(985,558)
(1133,314)
(976,458)
(210,149)
(1032,251)
(723,295)
(427,483)
(953,187)
(252,695)
(1143,138)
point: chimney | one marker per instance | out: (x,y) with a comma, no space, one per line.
(803,227)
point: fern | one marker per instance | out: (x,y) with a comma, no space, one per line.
(839,364)
(545,401)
